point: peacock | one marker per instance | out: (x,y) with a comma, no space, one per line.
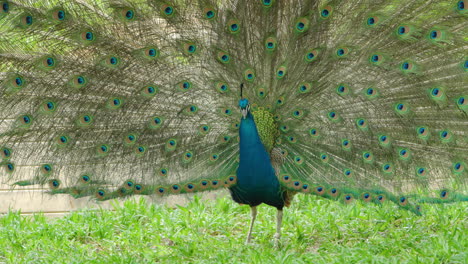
(347,100)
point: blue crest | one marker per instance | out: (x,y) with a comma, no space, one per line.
(243,103)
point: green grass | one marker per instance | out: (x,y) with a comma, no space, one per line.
(314,231)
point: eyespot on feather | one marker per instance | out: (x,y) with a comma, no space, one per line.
(446,136)
(187,156)
(280,101)
(281,72)
(372,21)
(387,168)
(215,184)
(214,157)
(444,194)
(376,59)
(204,184)
(319,190)
(270,44)
(458,167)
(209,13)
(84,120)
(47,63)
(160,191)
(85,179)
(26,20)
(224,139)
(9,167)
(346,144)
(333,116)
(139,188)
(324,158)
(348,173)
(222,87)
(462,103)
(333,192)
(163,172)
(295,185)
(127,14)
(298,113)
(249,75)
(342,89)
(102,150)
(301,25)
(421,172)
(189,187)
(348,198)
(4,7)
(130,139)
(140,151)
(149,91)
(48,107)
(25,121)
(231,180)
(298,160)
(404,154)
(184,86)
(223,57)
(342,52)
(406,32)
(204,129)
(114,103)
(58,15)
(305,188)
(367,157)
(268,3)
(62,140)
(111,62)
(366,197)
(402,109)
(403,201)
(100,194)
(371,93)
(155,122)
(311,55)
(314,133)
(326,12)
(233,26)
(78,81)
(167,11)
(171,144)
(285,178)
(304,88)
(5,153)
(362,124)
(46,169)
(175,189)
(380,198)
(87,37)
(384,141)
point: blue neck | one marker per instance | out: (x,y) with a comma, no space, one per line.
(249,138)
(255,169)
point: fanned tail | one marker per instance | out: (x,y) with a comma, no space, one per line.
(354,99)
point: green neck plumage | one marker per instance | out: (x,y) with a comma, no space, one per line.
(266,126)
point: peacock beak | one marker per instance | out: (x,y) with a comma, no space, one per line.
(244,112)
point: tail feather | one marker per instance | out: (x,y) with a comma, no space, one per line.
(115,98)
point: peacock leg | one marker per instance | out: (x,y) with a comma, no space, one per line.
(279,221)
(254,215)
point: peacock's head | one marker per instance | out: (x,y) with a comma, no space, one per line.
(243,103)
(244,107)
